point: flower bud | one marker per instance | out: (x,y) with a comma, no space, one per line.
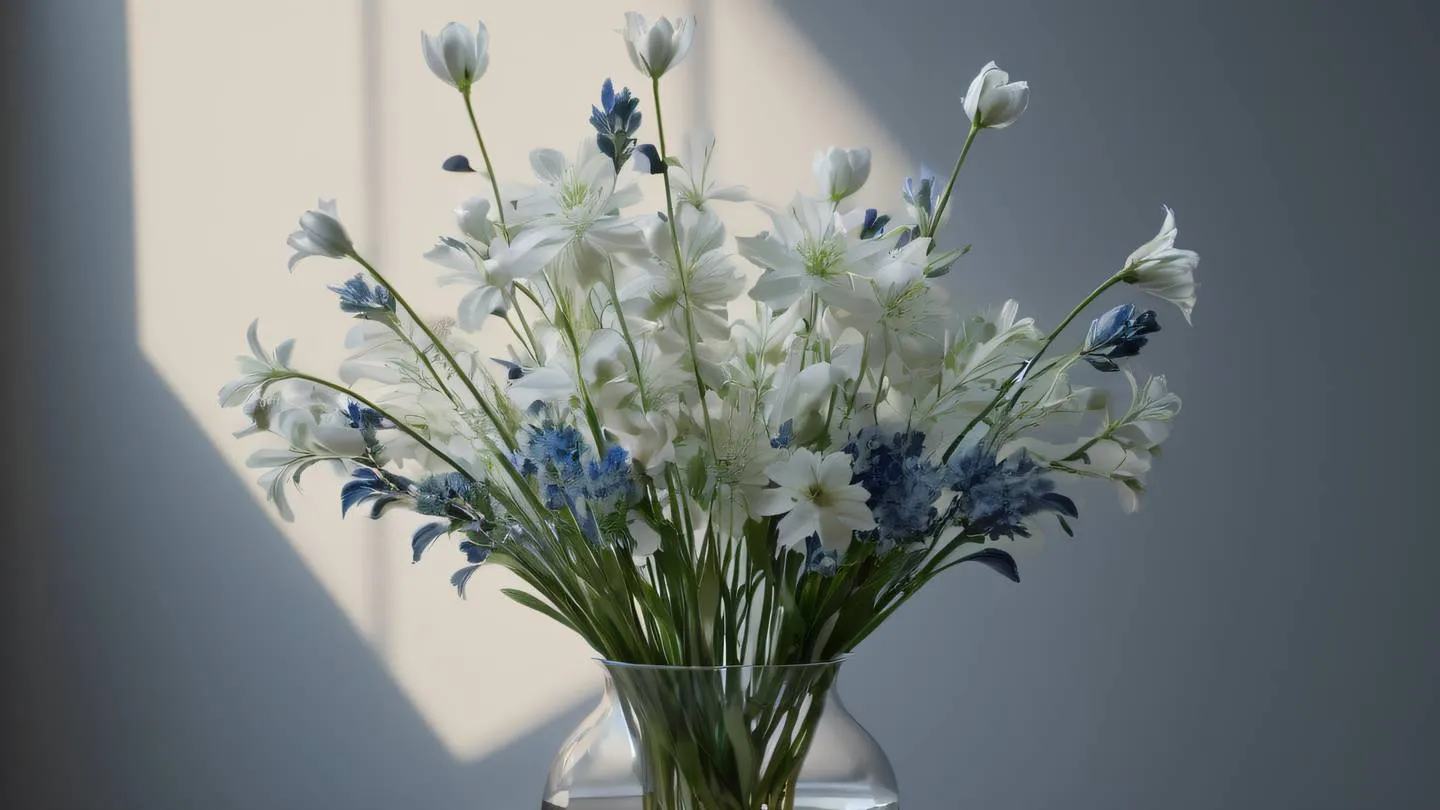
(841,172)
(456,55)
(993,100)
(320,234)
(655,49)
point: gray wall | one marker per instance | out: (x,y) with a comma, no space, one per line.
(1261,635)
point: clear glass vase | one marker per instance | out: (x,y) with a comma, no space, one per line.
(720,738)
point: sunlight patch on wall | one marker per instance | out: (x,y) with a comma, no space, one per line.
(241,118)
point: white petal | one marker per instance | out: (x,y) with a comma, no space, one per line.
(548,165)
(433,58)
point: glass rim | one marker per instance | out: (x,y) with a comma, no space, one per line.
(626,665)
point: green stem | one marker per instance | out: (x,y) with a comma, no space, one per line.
(401,426)
(440,347)
(425,359)
(489,169)
(1019,377)
(680,268)
(950,186)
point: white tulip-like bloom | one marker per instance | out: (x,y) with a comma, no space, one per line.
(654,49)
(1163,270)
(993,101)
(841,172)
(816,497)
(456,55)
(320,234)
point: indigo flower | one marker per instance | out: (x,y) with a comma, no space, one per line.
(437,495)
(785,436)
(904,485)
(562,465)
(1117,334)
(616,121)
(996,497)
(647,159)
(818,559)
(382,489)
(360,299)
(457,163)
(874,224)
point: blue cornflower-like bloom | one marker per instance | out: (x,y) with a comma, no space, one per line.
(569,477)
(438,495)
(616,121)
(996,497)
(820,560)
(360,299)
(378,488)
(785,436)
(874,224)
(904,484)
(1118,334)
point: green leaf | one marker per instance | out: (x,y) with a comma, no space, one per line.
(529,600)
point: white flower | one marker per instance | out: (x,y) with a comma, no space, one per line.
(649,438)
(707,274)
(654,49)
(993,100)
(817,498)
(693,184)
(256,369)
(841,172)
(457,56)
(582,199)
(900,314)
(1163,270)
(492,278)
(320,234)
(811,251)
(473,217)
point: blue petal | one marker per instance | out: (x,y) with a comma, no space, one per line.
(425,535)
(457,163)
(462,577)
(997,560)
(607,95)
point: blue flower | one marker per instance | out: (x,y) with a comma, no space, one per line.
(647,160)
(457,163)
(513,371)
(438,495)
(996,497)
(820,560)
(785,436)
(874,224)
(616,121)
(569,477)
(1117,334)
(367,421)
(922,195)
(360,299)
(380,488)
(904,485)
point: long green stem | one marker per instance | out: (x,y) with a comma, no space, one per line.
(425,359)
(489,168)
(950,186)
(399,425)
(440,347)
(1018,378)
(681,271)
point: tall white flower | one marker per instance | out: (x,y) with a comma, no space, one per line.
(841,172)
(993,101)
(901,315)
(1163,270)
(654,49)
(320,234)
(816,497)
(456,55)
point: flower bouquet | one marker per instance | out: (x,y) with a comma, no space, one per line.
(722,487)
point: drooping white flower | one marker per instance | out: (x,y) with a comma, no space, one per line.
(816,498)
(257,369)
(694,185)
(841,172)
(320,234)
(654,49)
(993,101)
(812,250)
(1163,270)
(456,55)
